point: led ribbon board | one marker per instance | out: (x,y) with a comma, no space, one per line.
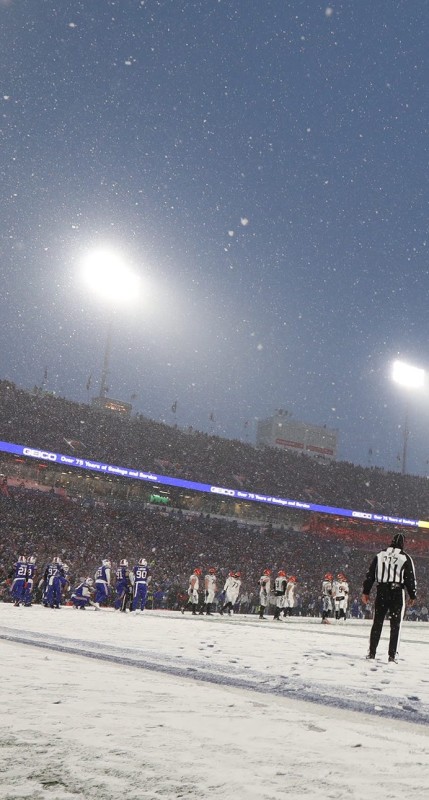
(238,494)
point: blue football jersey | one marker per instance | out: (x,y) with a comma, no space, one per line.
(141,573)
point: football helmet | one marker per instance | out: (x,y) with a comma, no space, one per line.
(230,574)
(66,567)
(328,576)
(123,562)
(212,571)
(267,572)
(197,571)
(142,562)
(88,581)
(32,560)
(22,558)
(106,562)
(292,579)
(56,560)
(237,574)
(281,573)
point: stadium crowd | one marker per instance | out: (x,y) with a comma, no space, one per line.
(43,421)
(175,541)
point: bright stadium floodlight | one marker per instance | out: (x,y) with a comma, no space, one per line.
(407,375)
(107,275)
(410,378)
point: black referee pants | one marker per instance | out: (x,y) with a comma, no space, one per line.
(392,601)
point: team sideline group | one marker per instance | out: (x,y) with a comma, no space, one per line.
(392,570)
(131,589)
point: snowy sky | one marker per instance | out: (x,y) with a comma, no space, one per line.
(262,166)
(171,706)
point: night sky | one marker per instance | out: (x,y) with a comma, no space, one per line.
(263,166)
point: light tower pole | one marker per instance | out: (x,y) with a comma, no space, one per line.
(410,378)
(105,372)
(108,277)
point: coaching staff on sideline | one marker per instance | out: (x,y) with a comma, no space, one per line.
(393,570)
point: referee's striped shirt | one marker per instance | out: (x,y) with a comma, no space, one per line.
(392,566)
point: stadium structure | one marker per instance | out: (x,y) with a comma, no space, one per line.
(66,468)
(286,433)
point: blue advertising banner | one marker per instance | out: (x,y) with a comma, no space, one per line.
(238,494)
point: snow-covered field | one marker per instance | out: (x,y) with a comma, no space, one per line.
(108,705)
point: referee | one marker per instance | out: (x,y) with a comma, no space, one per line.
(393,571)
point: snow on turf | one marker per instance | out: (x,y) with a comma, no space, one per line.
(165,705)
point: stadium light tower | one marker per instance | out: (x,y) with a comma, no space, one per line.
(107,276)
(411,378)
